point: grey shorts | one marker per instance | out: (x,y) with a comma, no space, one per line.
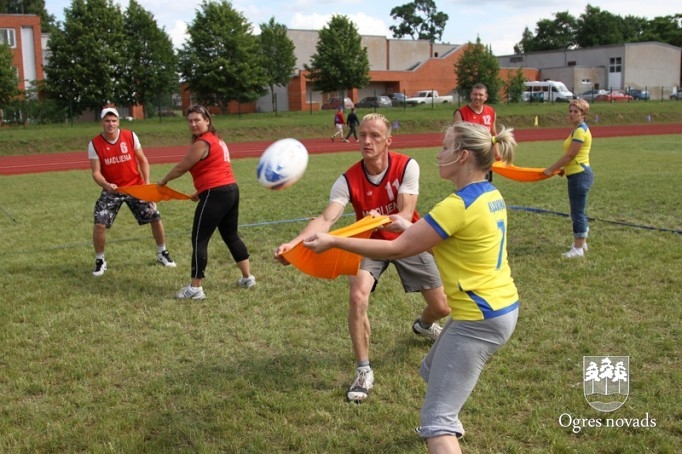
(418,272)
(452,367)
(108,204)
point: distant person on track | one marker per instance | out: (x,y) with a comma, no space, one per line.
(208,160)
(467,233)
(575,164)
(477,111)
(339,121)
(353,122)
(117,160)
(382,182)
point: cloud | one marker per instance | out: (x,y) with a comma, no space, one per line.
(178,33)
(367,25)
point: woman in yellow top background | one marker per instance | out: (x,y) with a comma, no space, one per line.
(575,164)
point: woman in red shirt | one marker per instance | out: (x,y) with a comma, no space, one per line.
(208,161)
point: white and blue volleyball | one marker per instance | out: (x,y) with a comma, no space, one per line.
(282,164)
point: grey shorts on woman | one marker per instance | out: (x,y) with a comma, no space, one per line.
(452,367)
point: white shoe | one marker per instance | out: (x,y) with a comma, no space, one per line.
(190,293)
(100,267)
(359,389)
(247,282)
(165,259)
(573,253)
(585,248)
(432,332)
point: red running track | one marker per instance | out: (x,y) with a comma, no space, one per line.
(78,160)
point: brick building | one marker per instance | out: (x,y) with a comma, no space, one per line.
(22,33)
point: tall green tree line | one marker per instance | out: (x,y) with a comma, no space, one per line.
(101,55)
(596,27)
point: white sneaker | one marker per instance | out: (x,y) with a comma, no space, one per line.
(359,389)
(573,253)
(247,282)
(189,293)
(432,332)
(100,267)
(165,259)
(585,248)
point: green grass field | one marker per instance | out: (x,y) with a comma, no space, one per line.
(115,364)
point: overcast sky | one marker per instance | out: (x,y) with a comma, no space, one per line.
(499,23)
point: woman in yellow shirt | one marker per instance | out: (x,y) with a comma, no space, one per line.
(467,232)
(575,163)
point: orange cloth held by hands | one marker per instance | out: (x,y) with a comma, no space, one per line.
(334,262)
(522,174)
(153,193)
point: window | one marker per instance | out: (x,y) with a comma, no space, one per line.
(615,65)
(7,37)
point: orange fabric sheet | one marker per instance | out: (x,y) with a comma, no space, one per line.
(153,193)
(335,262)
(522,174)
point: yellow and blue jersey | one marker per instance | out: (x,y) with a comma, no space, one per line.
(473,258)
(583,136)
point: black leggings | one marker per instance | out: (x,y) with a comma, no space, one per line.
(217,208)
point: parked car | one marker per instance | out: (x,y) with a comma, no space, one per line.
(428,97)
(375,101)
(676,94)
(549,91)
(397,99)
(614,96)
(638,94)
(334,103)
(590,95)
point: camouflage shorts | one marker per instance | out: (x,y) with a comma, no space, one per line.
(108,204)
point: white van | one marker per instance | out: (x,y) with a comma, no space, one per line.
(547,91)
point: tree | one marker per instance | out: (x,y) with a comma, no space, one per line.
(220,61)
(526,44)
(151,61)
(597,28)
(515,85)
(666,29)
(85,68)
(559,33)
(37,7)
(420,20)
(279,60)
(8,76)
(340,61)
(478,64)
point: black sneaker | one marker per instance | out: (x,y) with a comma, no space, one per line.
(100,267)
